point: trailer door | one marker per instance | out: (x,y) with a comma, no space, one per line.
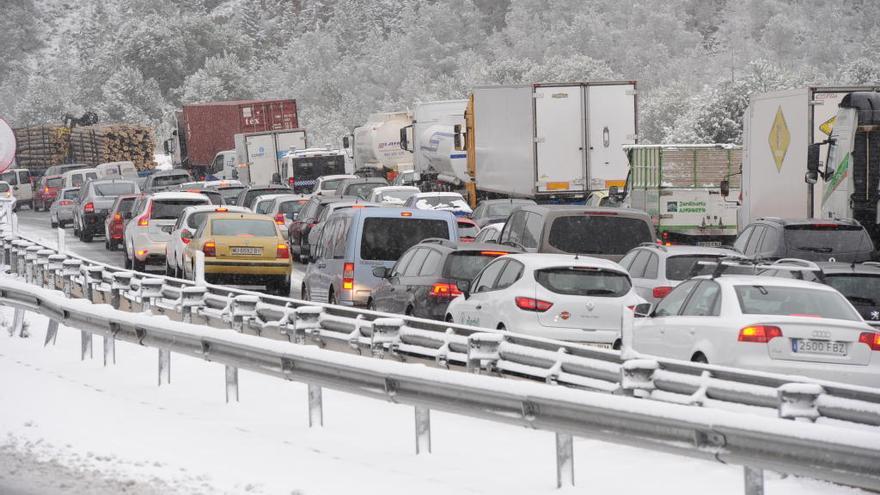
(287,140)
(611,121)
(261,158)
(559,133)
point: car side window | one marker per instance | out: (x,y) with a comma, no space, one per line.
(627,260)
(637,269)
(340,241)
(512,272)
(651,267)
(705,301)
(532,231)
(415,265)
(24,177)
(486,280)
(671,304)
(479,211)
(743,239)
(770,242)
(401,264)
(752,246)
(326,244)
(513,228)
(432,264)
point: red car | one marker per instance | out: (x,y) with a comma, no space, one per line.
(46,191)
(467,229)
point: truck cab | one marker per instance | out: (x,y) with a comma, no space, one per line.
(223,167)
(300,169)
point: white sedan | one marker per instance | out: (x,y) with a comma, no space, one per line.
(191,218)
(770,324)
(558,296)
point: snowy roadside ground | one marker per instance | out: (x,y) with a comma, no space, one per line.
(116,424)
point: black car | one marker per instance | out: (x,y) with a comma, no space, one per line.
(496,210)
(808,239)
(360,187)
(247,196)
(423,281)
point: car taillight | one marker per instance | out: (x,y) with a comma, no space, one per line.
(185,237)
(279,219)
(442,289)
(759,333)
(661,292)
(117,217)
(144,219)
(532,304)
(493,253)
(282,251)
(209,248)
(89,207)
(290,181)
(348,276)
(46,190)
(665,237)
(65,202)
(871,339)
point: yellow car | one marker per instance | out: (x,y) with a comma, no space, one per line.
(240,248)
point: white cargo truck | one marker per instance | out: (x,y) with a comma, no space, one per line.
(259,155)
(778,128)
(430,139)
(375,146)
(554,142)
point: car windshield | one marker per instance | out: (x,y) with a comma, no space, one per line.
(169,209)
(467,264)
(583,281)
(793,301)
(825,240)
(386,239)
(294,206)
(331,185)
(594,234)
(467,229)
(54,182)
(69,193)
(230,194)
(114,188)
(243,227)
(681,267)
(169,180)
(361,189)
(862,290)
(452,201)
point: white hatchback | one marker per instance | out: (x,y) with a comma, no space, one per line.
(191,218)
(770,324)
(153,217)
(558,296)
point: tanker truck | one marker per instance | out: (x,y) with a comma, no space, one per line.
(430,137)
(375,146)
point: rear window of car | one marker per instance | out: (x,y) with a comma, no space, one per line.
(680,267)
(125,205)
(595,234)
(466,265)
(288,207)
(114,188)
(213,196)
(583,281)
(54,182)
(230,194)
(361,190)
(793,301)
(170,209)
(826,240)
(466,229)
(447,201)
(71,193)
(386,239)
(251,195)
(246,227)
(860,289)
(169,180)
(330,185)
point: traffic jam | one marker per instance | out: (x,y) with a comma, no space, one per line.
(682,237)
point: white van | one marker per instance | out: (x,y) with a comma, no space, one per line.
(76,178)
(126,170)
(20,181)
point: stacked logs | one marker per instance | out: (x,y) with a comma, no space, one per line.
(113,143)
(39,147)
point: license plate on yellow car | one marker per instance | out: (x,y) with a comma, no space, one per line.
(247,251)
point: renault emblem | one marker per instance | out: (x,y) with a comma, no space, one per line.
(591,305)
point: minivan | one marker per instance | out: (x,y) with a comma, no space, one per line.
(126,170)
(607,233)
(20,181)
(356,241)
(78,177)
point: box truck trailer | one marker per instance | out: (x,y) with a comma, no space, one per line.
(259,156)
(553,142)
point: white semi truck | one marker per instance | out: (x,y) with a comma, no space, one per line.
(375,146)
(258,156)
(430,137)
(549,142)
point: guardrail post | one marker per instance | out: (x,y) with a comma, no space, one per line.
(55,265)
(637,377)
(92,278)
(61,240)
(243,307)
(151,289)
(41,266)
(231,383)
(51,332)
(121,284)
(306,321)
(7,246)
(484,351)
(423,430)
(110,346)
(385,336)
(164,366)
(30,261)
(797,401)
(199,275)
(85,340)
(69,270)
(316,406)
(191,297)
(753,480)
(564,460)
(17,256)
(18,325)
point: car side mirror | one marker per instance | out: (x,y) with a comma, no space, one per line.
(458,138)
(643,310)
(812,174)
(380,272)
(725,188)
(186,235)
(464,286)
(345,142)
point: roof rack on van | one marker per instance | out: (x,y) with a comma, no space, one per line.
(757,266)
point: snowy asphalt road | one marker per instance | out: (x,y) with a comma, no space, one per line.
(36,225)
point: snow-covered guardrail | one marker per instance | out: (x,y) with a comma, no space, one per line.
(833,452)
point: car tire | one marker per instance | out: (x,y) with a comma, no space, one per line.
(331,299)
(449,319)
(86,236)
(304,293)
(371,306)
(107,245)
(168,271)
(279,287)
(137,265)
(408,311)
(127,262)
(53,223)
(699,358)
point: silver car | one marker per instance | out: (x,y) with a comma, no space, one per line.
(656,270)
(153,218)
(61,211)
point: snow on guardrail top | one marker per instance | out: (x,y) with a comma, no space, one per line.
(7,146)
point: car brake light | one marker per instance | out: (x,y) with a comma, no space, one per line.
(221,210)
(532,304)
(89,207)
(494,253)
(871,339)
(759,333)
(661,292)
(209,248)
(291,181)
(282,251)
(117,217)
(348,276)
(46,190)
(406,213)
(144,220)
(279,219)
(65,202)
(825,225)
(665,237)
(442,289)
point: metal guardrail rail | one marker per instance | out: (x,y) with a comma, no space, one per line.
(831,452)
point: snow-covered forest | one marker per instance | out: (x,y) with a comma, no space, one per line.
(696,61)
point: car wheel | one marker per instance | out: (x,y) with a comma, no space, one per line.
(53,223)
(138,265)
(86,236)
(371,306)
(304,293)
(107,245)
(168,271)
(409,311)
(331,299)
(501,326)
(280,287)
(449,319)
(127,262)
(699,358)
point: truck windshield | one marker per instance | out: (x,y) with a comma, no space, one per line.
(313,167)
(594,234)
